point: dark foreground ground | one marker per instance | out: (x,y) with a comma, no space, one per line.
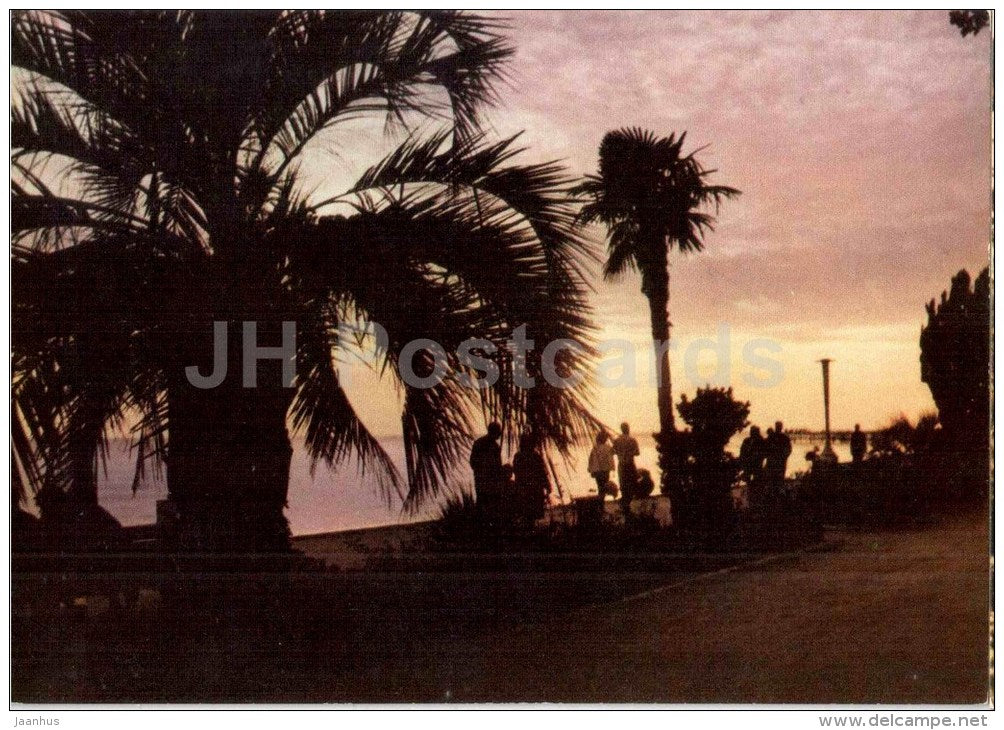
(888,617)
(893,616)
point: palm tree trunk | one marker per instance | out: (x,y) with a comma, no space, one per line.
(660,340)
(657,290)
(229,456)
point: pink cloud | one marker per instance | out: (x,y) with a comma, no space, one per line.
(861,141)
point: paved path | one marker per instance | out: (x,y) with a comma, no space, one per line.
(890,617)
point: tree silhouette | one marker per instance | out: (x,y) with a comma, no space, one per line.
(969,21)
(955,358)
(652,197)
(714,417)
(901,436)
(156,190)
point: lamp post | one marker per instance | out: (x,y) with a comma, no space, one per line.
(828,453)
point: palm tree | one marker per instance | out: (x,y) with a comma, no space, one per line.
(157,191)
(651,198)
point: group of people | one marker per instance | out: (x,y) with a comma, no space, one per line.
(634,482)
(518,493)
(764,460)
(509,494)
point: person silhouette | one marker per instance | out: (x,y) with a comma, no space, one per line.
(601,462)
(778,449)
(486,463)
(532,483)
(751,456)
(859,444)
(626,448)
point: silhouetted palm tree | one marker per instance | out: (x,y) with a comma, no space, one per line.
(155,191)
(651,198)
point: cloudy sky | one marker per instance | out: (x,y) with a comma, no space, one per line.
(861,142)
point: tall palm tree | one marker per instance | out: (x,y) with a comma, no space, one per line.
(652,198)
(156,191)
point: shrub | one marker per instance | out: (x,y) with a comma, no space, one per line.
(714,417)
(457,514)
(903,437)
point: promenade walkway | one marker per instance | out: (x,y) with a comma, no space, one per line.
(896,616)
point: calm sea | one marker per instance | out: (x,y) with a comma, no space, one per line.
(340,499)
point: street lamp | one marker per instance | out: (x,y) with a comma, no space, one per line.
(828,453)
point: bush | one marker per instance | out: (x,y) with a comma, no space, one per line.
(458,514)
(912,472)
(902,437)
(714,417)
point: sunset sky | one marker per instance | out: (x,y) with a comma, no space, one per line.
(861,142)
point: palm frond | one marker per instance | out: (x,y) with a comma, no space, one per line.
(322,412)
(36,404)
(181,132)
(464,268)
(328,66)
(84,325)
(539,193)
(648,193)
(621,256)
(437,429)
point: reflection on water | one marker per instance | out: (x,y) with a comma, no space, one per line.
(339,499)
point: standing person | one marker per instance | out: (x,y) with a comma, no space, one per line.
(778,450)
(601,462)
(532,483)
(859,444)
(486,463)
(626,448)
(751,456)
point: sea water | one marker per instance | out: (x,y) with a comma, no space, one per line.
(329,499)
